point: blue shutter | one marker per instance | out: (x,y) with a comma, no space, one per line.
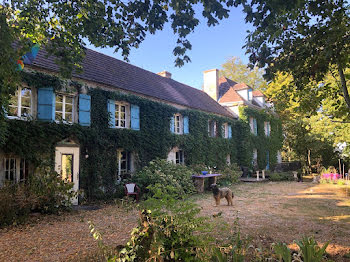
(111,111)
(46,104)
(255,126)
(135,117)
(229,131)
(172,124)
(186,126)
(267,160)
(84,110)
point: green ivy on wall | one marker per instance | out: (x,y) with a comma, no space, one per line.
(261,142)
(35,140)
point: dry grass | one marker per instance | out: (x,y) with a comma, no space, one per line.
(268,212)
(287,211)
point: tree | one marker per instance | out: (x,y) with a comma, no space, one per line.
(306,39)
(236,70)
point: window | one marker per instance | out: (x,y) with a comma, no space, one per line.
(212,128)
(180,157)
(123,163)
(267,128)
(121,115)
(64,108)
(20,104)
(250,94)
(67,167)
(253,125)
(225,130)
(178,124)
(228,159)
(15,169)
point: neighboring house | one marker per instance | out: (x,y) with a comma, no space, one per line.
(248,104)
(110,120)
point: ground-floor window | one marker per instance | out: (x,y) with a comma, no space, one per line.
(180,157)
(124,163)
(15,169)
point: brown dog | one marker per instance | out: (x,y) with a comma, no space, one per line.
(223,192)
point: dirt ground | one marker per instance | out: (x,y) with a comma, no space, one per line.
(286,211)
(269,212)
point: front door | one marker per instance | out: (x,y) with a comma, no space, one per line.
(67,165)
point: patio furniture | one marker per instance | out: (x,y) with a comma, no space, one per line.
(199,181)
(132,189)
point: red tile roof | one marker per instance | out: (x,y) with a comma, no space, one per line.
(231,96)
(103,69)
(257,93)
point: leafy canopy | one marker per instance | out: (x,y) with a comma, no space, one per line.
(237,71)
(306,39)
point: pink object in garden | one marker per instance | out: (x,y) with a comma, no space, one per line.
(331,176)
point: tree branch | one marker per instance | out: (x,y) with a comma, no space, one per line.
(343,84)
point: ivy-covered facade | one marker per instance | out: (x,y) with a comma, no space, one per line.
(96,134)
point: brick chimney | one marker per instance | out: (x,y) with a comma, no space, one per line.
(164,74)
(211,83)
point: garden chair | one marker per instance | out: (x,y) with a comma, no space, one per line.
(132,189)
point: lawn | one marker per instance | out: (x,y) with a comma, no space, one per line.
(269,212)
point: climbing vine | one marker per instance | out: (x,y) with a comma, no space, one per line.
(35,140)
(260,141)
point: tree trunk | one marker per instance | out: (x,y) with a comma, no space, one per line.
(343,84)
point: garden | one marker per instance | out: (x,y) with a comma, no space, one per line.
(269,221)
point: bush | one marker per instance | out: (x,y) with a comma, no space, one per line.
(44,192)
(164,174)
(231,175)
(282,176)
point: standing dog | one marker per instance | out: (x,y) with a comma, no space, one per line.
(224,192)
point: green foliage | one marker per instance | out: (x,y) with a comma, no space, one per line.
(234,69)
(299,37)
(281,176)
(231,175)
(310,251)
(162,175)
(283,252)
(261,142)
(168,231)
(44,192)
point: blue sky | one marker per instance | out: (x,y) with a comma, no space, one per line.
(211,47)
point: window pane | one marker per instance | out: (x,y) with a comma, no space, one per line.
(25,111)
(69,99)
(58,116)
(26,92)
(13,100)
(67,167)
(69,108)
(26,101)
(13,111)
(122,109)
(59,98)
(69,117)
(58,107)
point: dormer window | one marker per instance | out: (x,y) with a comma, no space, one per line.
(250,94)
(20,105)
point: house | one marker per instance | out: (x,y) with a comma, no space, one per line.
(110,120)
(252,107)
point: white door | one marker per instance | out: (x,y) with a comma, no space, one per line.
(67,164)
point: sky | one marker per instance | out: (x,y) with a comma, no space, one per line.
(211,47)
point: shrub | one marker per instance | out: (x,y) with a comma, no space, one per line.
(164,174)
(282,176)
(44,192)
(231,175)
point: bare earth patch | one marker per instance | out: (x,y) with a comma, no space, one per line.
(287,211)
(66,237)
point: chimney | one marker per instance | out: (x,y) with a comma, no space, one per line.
(211,83)
(164,74)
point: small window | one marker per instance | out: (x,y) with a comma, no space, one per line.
(121,115)
(180,157)
(64,108)
(228,159)
(15,169)
(212,128)
(253,125)
(250,94)
(225,130)
(20,105)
